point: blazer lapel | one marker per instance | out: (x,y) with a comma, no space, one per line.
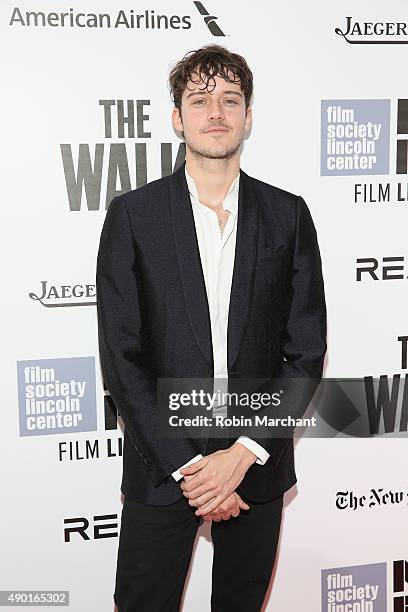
(244,268)
(191,269)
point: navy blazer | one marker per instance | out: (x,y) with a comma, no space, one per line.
(153,320)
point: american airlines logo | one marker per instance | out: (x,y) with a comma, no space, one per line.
(209,20)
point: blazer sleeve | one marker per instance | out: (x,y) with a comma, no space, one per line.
(131,385)
(303,344)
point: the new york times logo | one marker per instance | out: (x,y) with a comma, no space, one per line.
(374,32)
(124,164)
(209,20)
(147,20)
(57,296)
(375,498)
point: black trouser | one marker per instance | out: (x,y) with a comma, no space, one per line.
(155,548)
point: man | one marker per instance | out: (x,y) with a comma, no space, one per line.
(206,273)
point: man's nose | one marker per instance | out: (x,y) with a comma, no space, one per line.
(215,110)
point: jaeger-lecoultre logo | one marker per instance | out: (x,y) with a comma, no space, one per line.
(374,32)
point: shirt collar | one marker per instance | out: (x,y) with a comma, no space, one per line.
(230,201)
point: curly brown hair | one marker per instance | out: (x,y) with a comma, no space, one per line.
(206,63)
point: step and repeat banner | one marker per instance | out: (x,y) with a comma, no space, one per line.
(86,116)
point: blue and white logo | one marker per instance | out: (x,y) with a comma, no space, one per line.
(56,396)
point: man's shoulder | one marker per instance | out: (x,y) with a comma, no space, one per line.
(273,194)
(145,194)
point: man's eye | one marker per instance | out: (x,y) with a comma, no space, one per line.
(232,101)
(199,100)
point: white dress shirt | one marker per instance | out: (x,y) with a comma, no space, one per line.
(217,253)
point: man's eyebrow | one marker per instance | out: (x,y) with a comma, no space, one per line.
(204,91)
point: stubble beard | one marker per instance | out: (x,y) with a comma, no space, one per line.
(222,152)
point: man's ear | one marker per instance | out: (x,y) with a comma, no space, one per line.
(176,119)
(248,118)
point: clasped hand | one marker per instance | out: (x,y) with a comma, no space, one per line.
(209,484)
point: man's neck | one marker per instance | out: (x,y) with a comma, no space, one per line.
(212,177)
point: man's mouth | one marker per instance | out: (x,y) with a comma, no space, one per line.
(216,129)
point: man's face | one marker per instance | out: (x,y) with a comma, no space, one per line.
(214,122)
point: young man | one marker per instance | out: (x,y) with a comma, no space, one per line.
(205,273)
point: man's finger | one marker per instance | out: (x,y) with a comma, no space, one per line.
(193,493)
(243,505)
(194,467)
(188,477)
(202,499)
(230,505)
(192,483)
(234,509)
(212,505)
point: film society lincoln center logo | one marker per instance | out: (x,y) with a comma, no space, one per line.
(357,588)
(355,137)
(56,396)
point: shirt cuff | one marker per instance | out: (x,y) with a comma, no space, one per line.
(176,474)
(257,449)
